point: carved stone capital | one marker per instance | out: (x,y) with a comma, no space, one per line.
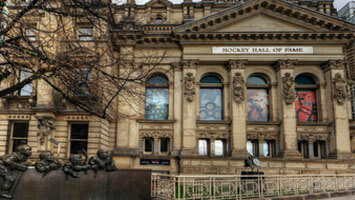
(333,64)
(339,92)
(238,88)
(189,87)
(236,64)
(288,88)
(177,66)
(285,64)
(190,64)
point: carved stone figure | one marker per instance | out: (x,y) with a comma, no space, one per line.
(339,89)
(103,161)
(16,160)
(288,88)
(75,165)
(47,163)
(238,88)
(189,87)
(45,127)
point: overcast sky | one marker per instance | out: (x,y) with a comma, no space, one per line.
(340,3)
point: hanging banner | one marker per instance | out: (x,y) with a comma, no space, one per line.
(263,50)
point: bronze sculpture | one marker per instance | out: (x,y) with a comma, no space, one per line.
(103,161)
(75,165)
(47,163)
(16,160)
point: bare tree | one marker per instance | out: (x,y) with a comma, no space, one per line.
(74,46)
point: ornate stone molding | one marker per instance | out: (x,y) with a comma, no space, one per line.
(263,136)
(190,64)
(18,117)
(77,118)
(313,137)
(285,64)
(238,88)
(189,87)
(333,64)
(339,89)
(213,135)
(288,88)
(236,64)
(155,134)
(177,66)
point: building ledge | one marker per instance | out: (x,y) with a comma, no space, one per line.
(213,122)
(169,121)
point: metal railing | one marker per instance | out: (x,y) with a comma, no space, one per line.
(243,187)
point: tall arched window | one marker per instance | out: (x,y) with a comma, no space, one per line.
(306,102)
(258,98)
(211,98)
(157,98)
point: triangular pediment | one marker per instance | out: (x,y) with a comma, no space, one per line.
(260,23)
(266,16)
(158,3)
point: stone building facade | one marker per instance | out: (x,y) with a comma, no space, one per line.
(260,77)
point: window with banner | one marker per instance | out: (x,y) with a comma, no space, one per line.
(157,98)
(306,101)
(258,98)
(211,98)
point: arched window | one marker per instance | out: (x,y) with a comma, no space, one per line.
(211,98)
(157,98)
(258,98)
(306,102)
(158,20)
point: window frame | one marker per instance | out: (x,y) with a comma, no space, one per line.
(84,89)
(33,36)
(11,135)
(218,86)
(310,87)
(266,87)
(167,148)
(303,148)
(255,145)
(156,86)
(272,148)
(144,145)
(70,138)
(22,77)
(208,143)
(224,147)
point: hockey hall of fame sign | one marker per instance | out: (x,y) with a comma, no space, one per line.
(262,50)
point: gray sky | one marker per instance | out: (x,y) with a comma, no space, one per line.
(340,3)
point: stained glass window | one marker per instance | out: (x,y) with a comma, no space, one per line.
(211,104)
(211,98)
(157,98)
(258,98)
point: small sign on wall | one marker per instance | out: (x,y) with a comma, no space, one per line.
(263,50)
(154,162)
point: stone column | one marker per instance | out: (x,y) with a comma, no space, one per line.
(238,107)
(285,76)
(176,148)
(310,148)
(189,142)
(156,146)
(261,147)
(340,137)
(212,146)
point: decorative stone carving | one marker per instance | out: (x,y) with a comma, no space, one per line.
(156,134)
(45,127)
(214,135)
(333,64)
(339,89)
(236,64)
(238,88)
(189,87)
(75,165)
(288,88)
(285,64)
(190,64)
